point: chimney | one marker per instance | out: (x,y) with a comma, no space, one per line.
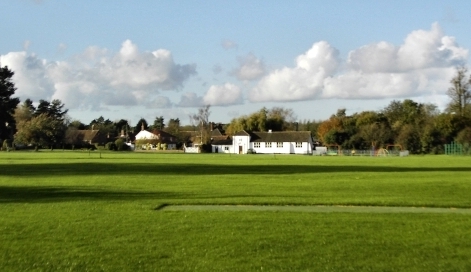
(122,133)
(212,126)
(93,127)
(142,127)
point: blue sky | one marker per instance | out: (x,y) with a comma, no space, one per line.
(133,59)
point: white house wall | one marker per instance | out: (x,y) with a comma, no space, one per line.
(288,148)
(222,149)
(241,144)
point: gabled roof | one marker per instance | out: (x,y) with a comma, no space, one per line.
(216,132)
(242,133)
(221,141)
(280,136)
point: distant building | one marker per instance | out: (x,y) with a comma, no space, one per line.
(277,142)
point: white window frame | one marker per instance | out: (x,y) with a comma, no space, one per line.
(256,145)
(299,144)
(279,144)
(268,144)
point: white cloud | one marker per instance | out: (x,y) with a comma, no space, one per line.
(31,75)
(97,78)
(223,95)
(423,65)
(304,81)
(250,68)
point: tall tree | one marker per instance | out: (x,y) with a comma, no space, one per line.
(141,125)
(159,123)
(201,120)
(459,93)
(7,103)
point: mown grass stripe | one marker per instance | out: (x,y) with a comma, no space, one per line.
(314,209)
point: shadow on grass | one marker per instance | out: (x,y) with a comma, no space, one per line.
(38,194)
(77,169)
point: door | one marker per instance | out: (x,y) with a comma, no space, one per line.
(240,149)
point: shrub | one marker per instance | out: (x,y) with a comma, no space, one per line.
(110,146)
(120,145)
(6,145)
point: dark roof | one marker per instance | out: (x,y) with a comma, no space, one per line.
(227,141)
(242,133)
(165,136)
(217,132)
(89,136)
(280,136)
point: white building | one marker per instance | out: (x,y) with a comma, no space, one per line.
(278,142)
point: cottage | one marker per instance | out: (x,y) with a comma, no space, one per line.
(86,137)
(277,142)
(221,143)
(146,138)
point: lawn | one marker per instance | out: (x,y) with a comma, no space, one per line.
(76,211)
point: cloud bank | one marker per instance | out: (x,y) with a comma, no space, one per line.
(97,78)
(422,65)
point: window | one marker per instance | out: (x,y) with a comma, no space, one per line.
(299,145)
(279,144)
(256,145)
(226,148)
(268,145)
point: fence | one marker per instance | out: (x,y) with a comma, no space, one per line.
(355,152)
(457,149)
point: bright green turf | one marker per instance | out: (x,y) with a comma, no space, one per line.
(76,211)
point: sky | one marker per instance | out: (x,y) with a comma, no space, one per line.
(151,58)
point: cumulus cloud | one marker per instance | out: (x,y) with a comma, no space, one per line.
(31,76)
(223,95)
(304,81)
(422,65)
(250,68)
(97,77)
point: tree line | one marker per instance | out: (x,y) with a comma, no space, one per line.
(419,127)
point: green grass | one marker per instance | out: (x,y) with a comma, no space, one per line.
(75,211)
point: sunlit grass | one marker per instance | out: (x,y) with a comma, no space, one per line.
(76,211)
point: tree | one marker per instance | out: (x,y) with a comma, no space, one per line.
(201,120)
(41,126)
(24,112)
(42,130)
(460,94)
(7,103)
(159,123)
(141,125)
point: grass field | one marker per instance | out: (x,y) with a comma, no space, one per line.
(80,211)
